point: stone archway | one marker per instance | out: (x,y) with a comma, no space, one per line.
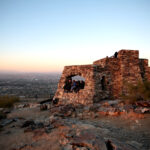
(84,96)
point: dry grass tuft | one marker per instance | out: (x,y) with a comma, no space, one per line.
(8,101)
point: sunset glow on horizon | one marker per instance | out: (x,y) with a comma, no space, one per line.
(46,35)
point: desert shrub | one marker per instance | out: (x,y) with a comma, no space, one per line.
(140,91)
(2,115)
(8,101)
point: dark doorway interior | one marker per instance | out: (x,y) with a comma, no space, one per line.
(103,83)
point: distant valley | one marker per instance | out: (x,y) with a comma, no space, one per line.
(29,85)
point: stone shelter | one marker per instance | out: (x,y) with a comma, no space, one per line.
(105,78)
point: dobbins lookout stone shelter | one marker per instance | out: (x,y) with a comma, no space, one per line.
(105,78)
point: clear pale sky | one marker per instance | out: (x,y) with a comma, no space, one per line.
(46,35)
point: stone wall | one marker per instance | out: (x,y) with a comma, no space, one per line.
(145,70)
(129,68)
(111,72)
(105,78)
(84,96)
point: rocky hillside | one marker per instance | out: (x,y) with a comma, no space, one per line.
(108,125)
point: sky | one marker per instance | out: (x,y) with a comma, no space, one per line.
(46,35)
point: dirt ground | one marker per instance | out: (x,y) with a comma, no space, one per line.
(135,132)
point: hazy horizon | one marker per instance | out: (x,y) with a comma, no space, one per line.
(45,35)
(28,72)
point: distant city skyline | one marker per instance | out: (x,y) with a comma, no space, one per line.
(46,35)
